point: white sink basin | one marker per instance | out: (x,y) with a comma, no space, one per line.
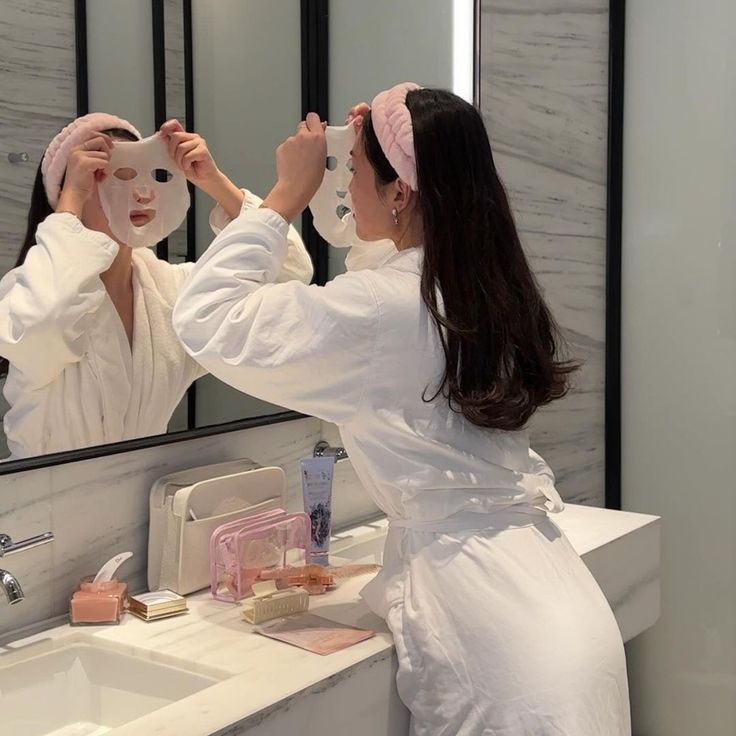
(361,545)
(79,686)
(369,552)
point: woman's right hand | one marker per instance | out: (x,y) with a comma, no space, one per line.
(300,168)
(89,163)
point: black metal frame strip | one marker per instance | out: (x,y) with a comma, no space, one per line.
(476,53)
(614,212)
(315,98)
(158,38)
(80,50)
(192,213)
(115,448)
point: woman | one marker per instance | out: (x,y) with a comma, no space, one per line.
(431,365)
(85,320)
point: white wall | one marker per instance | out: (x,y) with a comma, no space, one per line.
(247,100)
(375,45)
(679,353)
(120,60)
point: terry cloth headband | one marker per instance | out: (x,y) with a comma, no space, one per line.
(392,123)
(57,154)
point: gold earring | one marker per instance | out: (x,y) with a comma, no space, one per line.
(395,213)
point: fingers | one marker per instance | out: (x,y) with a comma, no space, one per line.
(358,111)
(96,163)
(96,142)
(178,139)
(171,126)
(183,149)
(313,122)
(198,153)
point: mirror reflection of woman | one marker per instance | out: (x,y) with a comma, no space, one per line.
(431,364)
(89,352)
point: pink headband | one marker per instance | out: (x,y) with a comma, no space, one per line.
(392,123)
(56,157)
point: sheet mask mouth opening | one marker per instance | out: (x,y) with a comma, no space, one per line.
(139,218)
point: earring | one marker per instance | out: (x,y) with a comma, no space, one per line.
(395,213)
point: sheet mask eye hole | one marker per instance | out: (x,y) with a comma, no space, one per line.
(331,163)
(162,175)
(349,165)
(342,210)
(125,173)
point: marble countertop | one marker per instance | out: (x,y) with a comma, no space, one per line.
(258,675)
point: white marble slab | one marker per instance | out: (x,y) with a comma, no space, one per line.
(544,89)
(274,687)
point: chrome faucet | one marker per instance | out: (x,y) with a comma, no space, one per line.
(11,586)
(323,449)
(8,581)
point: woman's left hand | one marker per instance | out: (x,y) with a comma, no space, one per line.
(191,154)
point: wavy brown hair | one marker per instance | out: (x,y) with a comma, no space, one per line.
(504,355)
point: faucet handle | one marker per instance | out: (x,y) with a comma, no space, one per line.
(323,449)
(8,547)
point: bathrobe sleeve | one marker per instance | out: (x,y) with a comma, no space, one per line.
(309,348)
(297,264)
(47,303)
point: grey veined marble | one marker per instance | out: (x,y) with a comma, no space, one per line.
(544,97)
(37,98)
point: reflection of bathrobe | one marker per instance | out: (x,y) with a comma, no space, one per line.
(74,380)
(499,626)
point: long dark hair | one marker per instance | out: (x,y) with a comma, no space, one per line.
(503,350)
(41,208)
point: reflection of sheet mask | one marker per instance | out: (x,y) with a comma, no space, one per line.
(332,208)
(169,199)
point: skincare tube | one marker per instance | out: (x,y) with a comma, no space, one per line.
(317,489)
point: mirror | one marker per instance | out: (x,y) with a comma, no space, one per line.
(199,62)
(239,73)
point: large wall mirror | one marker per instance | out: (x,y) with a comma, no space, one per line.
(240,73)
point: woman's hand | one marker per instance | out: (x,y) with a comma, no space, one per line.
(358,112)
(190,152)
(89,163)
(300,168)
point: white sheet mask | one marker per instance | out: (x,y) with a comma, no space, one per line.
(332,208)
(132,185)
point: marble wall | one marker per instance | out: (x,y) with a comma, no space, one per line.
(544,92)
(97,508)
(38,93)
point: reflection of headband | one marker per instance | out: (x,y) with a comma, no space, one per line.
(56,157)
(392,124)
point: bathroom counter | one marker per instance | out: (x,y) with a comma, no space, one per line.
(267,687)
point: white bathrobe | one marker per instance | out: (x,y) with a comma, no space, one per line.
(74,380)
(499,626)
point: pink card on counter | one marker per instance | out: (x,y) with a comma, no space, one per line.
(314,633)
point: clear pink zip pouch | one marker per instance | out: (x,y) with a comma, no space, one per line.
(222,535)
(245,554)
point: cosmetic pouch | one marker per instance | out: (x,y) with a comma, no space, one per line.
(241,553)
(186,507)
